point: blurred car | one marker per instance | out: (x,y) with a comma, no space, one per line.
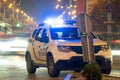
(2,33)
(115,44)
(14,42)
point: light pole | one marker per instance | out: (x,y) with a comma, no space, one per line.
(85,26)
(70,10)
(18,11)
(109,16)
(109,26)
(109,21)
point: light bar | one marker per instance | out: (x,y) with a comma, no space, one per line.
(53,21)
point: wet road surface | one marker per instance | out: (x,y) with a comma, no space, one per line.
(13,67)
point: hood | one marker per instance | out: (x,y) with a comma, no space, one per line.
(99,42)
(68,42)
(77,42)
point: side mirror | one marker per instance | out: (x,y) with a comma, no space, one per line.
(101,37)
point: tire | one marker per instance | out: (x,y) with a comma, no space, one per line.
(29,63)
(108,68)
(52,70)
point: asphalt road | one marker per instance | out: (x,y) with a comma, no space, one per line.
(13,67)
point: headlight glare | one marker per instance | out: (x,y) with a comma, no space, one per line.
(105,47)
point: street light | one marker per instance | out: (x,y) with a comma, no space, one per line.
(22,12)
(4,0)
(59,0)
(10,5)
(17,10)
(69,6)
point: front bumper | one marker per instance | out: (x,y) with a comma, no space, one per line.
(77,62)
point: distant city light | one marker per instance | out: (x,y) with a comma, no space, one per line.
(10,5)
(59,0)
(4,0)
(68,8)
(17,10)
(61,6)
(2,24)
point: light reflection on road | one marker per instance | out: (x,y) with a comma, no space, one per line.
(115,52)
(14,68)
(13,60)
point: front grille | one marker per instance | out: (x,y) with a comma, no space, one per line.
(78,49)
(97,49)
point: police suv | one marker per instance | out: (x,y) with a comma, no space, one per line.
(59,47)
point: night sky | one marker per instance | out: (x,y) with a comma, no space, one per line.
(39,9)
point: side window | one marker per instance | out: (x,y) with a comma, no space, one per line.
(44,37)
(33,35)
(38,34)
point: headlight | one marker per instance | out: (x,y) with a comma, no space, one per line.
(105,47)
(64,48)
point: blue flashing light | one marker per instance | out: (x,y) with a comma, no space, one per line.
(49,21)
(53,21)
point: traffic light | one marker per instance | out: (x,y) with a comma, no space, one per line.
(18,25)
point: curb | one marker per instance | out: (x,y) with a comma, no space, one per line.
(79,77)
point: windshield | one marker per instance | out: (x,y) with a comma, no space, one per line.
(65,33)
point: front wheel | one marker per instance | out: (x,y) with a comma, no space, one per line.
(29,63)
(108,68)
(52,70)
